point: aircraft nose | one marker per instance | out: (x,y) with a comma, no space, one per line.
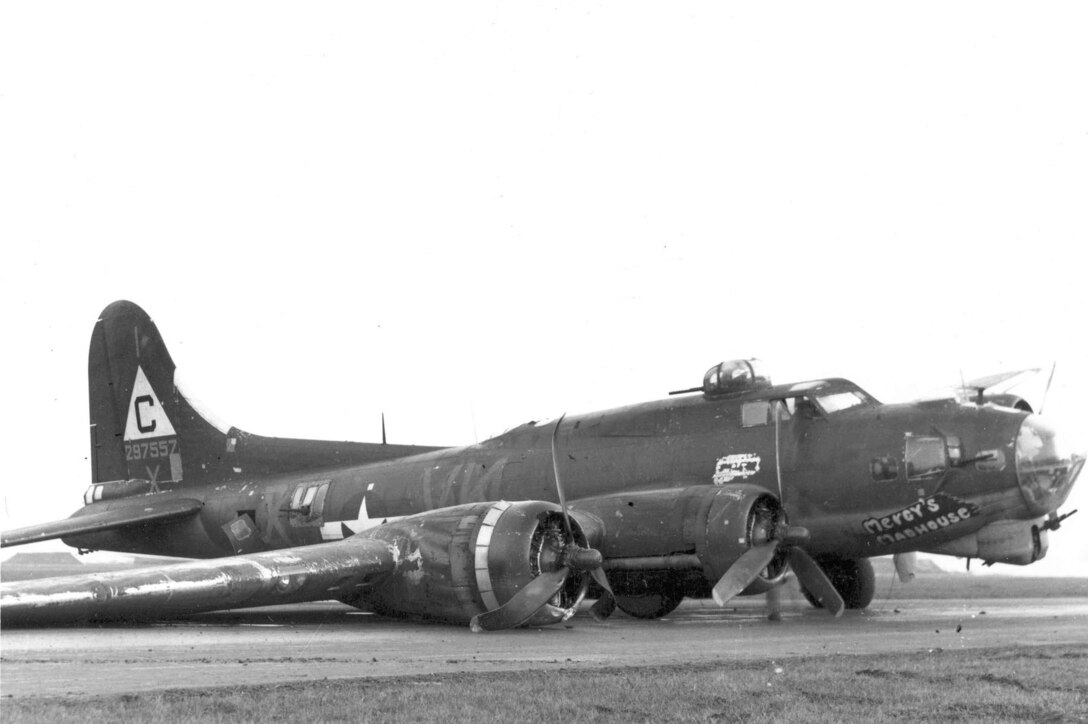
(1046,465)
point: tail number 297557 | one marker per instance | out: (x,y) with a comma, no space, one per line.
(150,449)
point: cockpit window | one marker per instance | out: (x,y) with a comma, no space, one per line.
(806,401)
(839,401)
(805,408)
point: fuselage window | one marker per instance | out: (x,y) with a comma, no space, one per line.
(308,502)
(753,414)
(925,456)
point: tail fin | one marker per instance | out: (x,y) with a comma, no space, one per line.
(143,430)
(145,435)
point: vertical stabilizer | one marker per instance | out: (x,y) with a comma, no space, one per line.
(144,433)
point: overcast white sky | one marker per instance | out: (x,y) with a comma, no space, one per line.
(470,215)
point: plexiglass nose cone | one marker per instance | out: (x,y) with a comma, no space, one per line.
(1046,465)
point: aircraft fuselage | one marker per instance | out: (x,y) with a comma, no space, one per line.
(866,480)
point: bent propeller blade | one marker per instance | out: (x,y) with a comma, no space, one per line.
(606,604)
(602,580)
(741,574)
(603,608)
(558,481)
(523,605)
(816,581)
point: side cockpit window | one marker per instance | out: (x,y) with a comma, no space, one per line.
(805,408)
(838,401)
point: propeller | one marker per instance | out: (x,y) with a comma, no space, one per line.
(747,568)
(741,574)
(1005,382)
(905,565)
(521,607)
(1046,392)
(606,604)
(524,604)
(815,581)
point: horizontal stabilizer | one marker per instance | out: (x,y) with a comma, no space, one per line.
(292,575)
(117,517)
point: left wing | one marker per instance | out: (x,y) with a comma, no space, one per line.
(111,518)
(292,575)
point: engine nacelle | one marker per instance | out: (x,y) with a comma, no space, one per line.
(700,528)
(458,562)
(1019,542)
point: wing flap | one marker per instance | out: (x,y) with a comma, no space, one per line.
(291,575)
(117,517)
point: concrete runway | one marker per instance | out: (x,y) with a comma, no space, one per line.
(326,640)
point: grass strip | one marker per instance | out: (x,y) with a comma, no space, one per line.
(994,685)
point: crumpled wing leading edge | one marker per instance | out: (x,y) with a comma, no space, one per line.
(291,575)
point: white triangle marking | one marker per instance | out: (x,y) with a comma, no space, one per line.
(146,418)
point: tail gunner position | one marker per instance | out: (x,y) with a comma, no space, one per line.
(719,490)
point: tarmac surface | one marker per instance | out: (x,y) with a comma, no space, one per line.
(331,641)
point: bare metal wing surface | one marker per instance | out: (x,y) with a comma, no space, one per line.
(328,571)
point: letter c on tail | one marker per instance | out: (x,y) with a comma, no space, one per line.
(150,402)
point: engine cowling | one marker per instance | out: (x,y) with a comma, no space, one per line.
(459,562)
(1017,542)
(700,528)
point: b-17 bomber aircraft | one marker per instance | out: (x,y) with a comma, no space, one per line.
(715,491)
